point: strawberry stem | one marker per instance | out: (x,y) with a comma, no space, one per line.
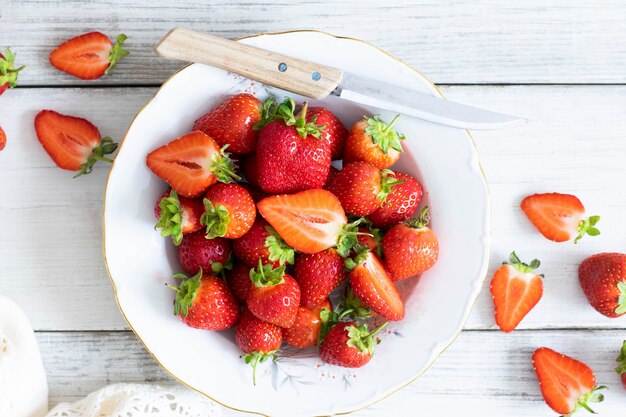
(524,268)
(105,147)
(117,52)
(587,227)
(383,134)
(378,329)
(390,125)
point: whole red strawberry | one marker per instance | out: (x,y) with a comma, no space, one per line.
(231,123)
(205,302)
(374,141)
(306,329)
(264,244)
(229,211)
(8,72)
(401,202)
(410,248)
(274,297)
(334,132)
(88,56)
(349,344)
(621,369)
(290,155)
(603,280)
(238,280)
(318,274)
(361,187)
(177,215)
(197,252)
(259,340)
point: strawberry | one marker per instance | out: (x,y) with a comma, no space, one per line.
(275,295)
(310,221)
(239,282)
(205,302)
(177,215)
(264,244)
(334,132)
(290,155)
(258,340)
(306,329)
(559,217)
(371,284)
(361,187)
(567,385)
(88,56)
(231,123)
(603,280)
(197,252)
(3,139)
(8,72)
(318,274)
(229,211)
(372,140)
(410,248)
(401,202)
(349,344)
(515,289)
(621,369)
(191,163)
(73,143)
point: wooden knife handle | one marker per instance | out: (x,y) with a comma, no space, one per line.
(302,77)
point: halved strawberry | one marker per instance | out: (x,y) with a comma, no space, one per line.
(306,329)
(567,385)
(515,289)
(309,221)
(229,211)
(373,286)
(88,56)
(3,139)
(559,217)
(621,369)
(191,163)
(177,215)
(8,72)
(73,143)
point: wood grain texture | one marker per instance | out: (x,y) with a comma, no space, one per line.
(488,41)
(50,251)
(494,383)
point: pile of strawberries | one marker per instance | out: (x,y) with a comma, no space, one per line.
(267,252)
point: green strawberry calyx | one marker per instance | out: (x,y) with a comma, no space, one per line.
(186,292)
(216,218)
(117,52)
(8,72)
(592,396)
(387,181)
(522,267)
(621,301)
(105,147)
(360,254)
(279,250)
(420,221)
(256,357)
(361,338)
(350,308)
(587,227)
(285,111)
(348,240)
(383,134)
(220,269)
(267,276)
(223,167)
(171,218)
(621,369)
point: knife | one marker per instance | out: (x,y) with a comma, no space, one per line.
(319,81)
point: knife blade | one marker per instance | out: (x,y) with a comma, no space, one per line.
(318,81)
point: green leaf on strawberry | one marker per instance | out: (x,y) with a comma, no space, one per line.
(361,338)
(383,134)
(216,219)
(587,227)
(171,218)
(621,301)
(348,237)
(105,147)
(279,250)
(8,72)
(186,292)
(386,183)
(285,111)
(223,167)
(267,276)
(621,369)
(117,52)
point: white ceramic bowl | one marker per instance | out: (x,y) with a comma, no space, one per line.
(298,383)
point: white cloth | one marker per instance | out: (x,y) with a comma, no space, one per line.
(23,386)
(138,400)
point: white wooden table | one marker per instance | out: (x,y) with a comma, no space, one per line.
(561,64)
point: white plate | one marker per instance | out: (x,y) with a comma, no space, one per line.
(298,384)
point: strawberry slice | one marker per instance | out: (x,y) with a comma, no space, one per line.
(559,217)
(567,385)
(3,139)
(309,221)
(88,56)
(515,289)
(191,164)
(72,143)
(371,284)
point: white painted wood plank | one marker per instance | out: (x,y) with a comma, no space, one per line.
(487,41)
(50,251)
(488,373)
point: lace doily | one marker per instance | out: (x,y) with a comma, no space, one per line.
(137,400)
